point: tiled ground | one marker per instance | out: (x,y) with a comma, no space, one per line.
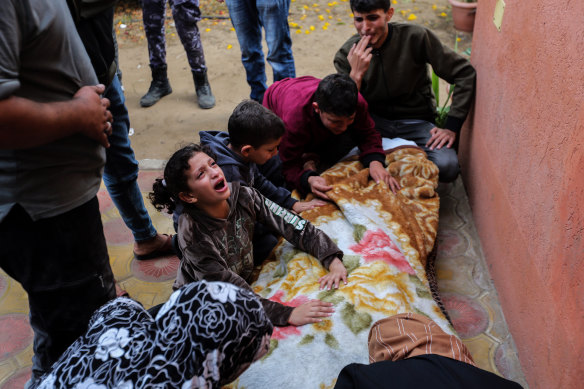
(463,280)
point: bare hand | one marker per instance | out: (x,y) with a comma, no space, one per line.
(301,206)
(378,173)
(337,272)
(359,58)
(318,186)
(441,137)
(96,118)
(310,312)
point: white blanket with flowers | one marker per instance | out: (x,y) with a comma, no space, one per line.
(386,239)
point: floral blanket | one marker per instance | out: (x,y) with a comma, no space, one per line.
(386,239)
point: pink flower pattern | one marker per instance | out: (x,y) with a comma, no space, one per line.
(156,270)
(378,246)
(283,332)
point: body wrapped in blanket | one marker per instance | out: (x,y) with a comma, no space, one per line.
(386,239)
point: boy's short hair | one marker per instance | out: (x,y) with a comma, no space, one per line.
(253,124)
(337,94)
(369,5)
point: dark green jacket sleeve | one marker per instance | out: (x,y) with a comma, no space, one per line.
(454,69)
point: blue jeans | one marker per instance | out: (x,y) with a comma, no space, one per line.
(248,17)
(121,169)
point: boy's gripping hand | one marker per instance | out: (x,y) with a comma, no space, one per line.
(337,272)
(301,206)
(318,186)
(378,173)
(310,312)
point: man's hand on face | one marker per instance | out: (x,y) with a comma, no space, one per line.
(318,186)
(359,58)
(378,173)
(441,137)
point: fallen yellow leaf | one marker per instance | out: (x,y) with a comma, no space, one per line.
(412,17)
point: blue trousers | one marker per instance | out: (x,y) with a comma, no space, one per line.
(248,17)
(419,132)
(121,169)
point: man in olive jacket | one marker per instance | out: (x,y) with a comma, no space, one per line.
(389,63)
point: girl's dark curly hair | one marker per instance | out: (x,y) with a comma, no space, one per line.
(164,195)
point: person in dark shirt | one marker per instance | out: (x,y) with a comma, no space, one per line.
(409,350)
(389,62)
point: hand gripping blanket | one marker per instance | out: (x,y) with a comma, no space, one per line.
(386,239)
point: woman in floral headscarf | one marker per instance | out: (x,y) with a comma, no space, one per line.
(204,336)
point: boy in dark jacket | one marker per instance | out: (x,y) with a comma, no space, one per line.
(254,137)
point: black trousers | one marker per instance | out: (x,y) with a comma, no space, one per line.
(63,264)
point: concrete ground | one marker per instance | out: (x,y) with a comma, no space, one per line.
(463,278)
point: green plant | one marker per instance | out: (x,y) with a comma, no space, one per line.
(441,111)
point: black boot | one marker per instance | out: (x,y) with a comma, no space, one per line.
(159,87)
(205,97)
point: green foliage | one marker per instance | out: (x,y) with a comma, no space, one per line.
(441,111)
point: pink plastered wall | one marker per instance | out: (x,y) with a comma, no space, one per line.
(522,157)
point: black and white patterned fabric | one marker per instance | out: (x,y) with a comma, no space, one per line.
(204,336)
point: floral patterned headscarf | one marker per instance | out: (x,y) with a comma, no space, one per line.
(204,336)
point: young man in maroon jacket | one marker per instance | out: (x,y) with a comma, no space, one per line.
(324,120)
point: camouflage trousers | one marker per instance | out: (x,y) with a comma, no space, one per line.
(186,14)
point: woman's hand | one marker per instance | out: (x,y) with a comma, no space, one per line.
(310,312)
(337,272)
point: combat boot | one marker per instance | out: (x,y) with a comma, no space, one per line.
(159,87)
(205,97)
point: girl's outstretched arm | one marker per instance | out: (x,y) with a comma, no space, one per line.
(310,312)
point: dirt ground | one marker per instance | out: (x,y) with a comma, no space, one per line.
(318,29)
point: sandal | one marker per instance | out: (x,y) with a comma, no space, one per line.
(164,249)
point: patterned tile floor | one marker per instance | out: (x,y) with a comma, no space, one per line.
(463,279)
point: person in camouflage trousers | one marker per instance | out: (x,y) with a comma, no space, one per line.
(186,14)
